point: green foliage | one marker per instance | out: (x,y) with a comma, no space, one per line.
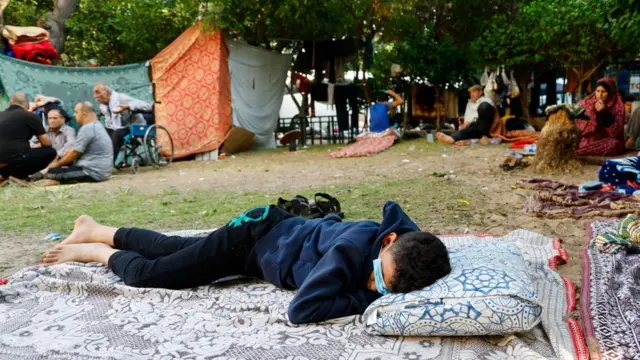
(113,31)
(26,12)
(126,31)
(563,33)
(262,22)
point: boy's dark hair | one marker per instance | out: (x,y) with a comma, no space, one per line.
(629,98)
(382,97)
(420,259)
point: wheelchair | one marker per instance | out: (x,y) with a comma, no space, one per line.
(145,145)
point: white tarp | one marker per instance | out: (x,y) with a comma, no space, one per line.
(258,79)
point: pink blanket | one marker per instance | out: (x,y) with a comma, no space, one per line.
(366,146)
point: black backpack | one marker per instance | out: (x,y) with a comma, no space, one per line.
(322,206)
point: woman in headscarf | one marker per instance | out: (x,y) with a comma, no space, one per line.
(603,133)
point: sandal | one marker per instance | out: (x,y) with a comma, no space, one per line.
(327,204)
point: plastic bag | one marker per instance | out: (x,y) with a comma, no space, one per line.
(484,79)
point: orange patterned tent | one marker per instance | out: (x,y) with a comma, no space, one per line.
(193,91)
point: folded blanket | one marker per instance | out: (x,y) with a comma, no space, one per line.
(24,34)
(35,52)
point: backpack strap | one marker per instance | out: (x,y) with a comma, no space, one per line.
(327,204)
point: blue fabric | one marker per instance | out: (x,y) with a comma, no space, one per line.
(590,186)
(379,117)
(620,172)
(488,292)
(328,260)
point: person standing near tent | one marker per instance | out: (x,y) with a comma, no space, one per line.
(119,111)
(17,126)
(380,110)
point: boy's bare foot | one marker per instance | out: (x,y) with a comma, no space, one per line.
(81,231)
(49,182)
(630,144)
(445,138)
(83,253)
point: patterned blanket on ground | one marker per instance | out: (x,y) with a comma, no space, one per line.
(74,311)
(610,299)
(555,200)
(366,146)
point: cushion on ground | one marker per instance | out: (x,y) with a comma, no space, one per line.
(488,292)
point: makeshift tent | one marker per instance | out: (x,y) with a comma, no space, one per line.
(72,84)
(193,91)
(258,79)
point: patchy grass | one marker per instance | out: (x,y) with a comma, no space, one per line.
(431,202)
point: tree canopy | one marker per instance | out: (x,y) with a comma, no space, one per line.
(442,41)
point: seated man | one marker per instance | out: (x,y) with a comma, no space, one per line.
(91,158)
(119,112)
(478,118)
(17,126)
(62,136)
(380,111)
(339,268)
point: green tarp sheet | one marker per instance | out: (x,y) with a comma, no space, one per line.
(73,84)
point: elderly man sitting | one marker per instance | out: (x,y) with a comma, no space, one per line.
(62,138)
(478,118)
(119,112)
(90,158)
(17,126)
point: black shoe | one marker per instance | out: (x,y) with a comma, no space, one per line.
(36,176)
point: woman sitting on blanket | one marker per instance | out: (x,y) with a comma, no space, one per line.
(603,133)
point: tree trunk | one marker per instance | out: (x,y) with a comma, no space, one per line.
(437,107)
(523,78)
(3,5)
(557,144)
(54,22)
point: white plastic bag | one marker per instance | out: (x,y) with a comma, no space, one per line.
(514,90)
(484,79)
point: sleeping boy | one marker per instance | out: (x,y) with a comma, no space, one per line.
(339,268)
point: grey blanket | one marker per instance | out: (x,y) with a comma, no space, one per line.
(75,311)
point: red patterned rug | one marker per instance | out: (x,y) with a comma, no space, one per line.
(366,146)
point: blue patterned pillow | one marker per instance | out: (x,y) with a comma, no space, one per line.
(488,292)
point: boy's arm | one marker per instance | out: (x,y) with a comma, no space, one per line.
(325,294)
(397,99)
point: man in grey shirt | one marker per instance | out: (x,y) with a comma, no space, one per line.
(91,157)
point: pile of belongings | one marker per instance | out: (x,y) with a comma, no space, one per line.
(30,44)
(617,175)
(627,238)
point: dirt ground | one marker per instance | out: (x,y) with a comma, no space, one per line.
(475,168)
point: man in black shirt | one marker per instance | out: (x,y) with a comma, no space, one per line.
(17,127)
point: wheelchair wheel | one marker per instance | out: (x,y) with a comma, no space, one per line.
(135,165)
(159,146)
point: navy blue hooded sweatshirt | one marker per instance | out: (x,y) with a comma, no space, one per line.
(328,260)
